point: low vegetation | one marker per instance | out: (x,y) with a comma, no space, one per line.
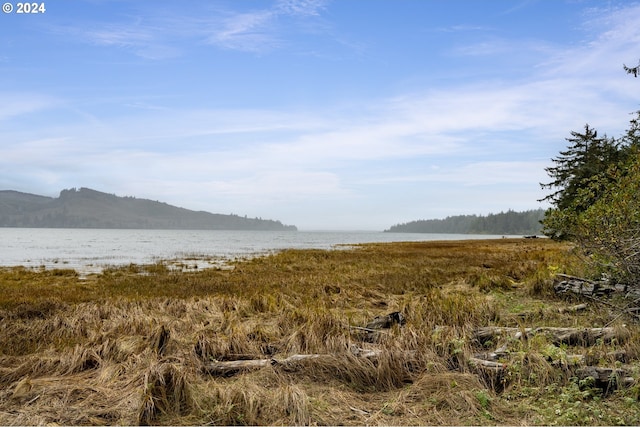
(137,345)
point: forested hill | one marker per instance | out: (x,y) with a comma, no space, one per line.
(86,208)
(509,222)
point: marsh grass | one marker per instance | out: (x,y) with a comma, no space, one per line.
(131,345)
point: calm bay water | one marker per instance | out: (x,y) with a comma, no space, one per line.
(90,250)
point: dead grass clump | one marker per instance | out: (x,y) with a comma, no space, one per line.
(318,332)
(237,340)
(451,397)
(159,340)
(241,402)
(487,282)
(50,364)
(166,393)
(63,400)
(452,307)
(120,349)
(295,404)
(81,359)
(263,303)
(209,347)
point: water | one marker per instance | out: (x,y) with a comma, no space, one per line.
(91,250)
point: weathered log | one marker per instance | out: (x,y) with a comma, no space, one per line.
(232,367)
(571,336)
(607,379)
(580,359)
(573,308)
(498,353)
(365,353)
(593,288)
(486,364)
(486,333)
(493,373)
(587,336)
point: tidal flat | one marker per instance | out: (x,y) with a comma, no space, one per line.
(287,339)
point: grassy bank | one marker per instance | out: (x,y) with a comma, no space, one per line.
(135,345)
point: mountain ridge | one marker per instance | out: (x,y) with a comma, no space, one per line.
(88,208)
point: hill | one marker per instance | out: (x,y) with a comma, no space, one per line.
(86,208)
(510,222)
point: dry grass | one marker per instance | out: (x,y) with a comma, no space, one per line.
(130,346)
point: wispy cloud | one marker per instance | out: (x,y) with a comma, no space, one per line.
(260,30)
(156,36)
(251,32)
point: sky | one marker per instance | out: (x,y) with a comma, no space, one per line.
(327,115)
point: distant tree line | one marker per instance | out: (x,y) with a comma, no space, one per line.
(510,222)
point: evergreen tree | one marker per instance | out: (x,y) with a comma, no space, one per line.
(579,176)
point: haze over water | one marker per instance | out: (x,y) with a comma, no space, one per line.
(90,250)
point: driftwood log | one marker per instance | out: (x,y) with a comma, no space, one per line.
(607,379)
(583,287)
(232,367)
(566,284)
(573,308)
(570,336)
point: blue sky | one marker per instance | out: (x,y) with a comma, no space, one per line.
(344,114)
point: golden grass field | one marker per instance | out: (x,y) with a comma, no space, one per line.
(134,345)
